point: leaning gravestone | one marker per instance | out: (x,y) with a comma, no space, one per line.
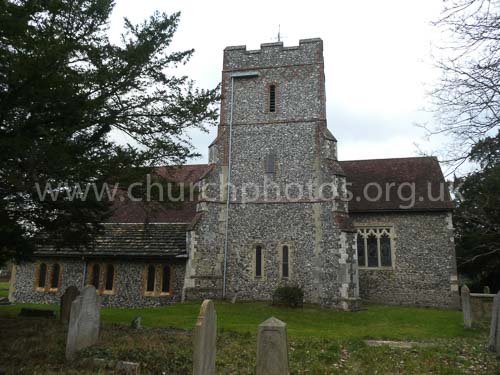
(466,307)
(205,334)
(272,348)
(66,300)
(84,321)
(495,313)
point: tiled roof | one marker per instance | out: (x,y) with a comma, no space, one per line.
(157,212)
(137,240)
(424,173)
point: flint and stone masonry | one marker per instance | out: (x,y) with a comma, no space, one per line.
(295,136)
(275,149)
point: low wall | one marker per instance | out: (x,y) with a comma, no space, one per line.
(481,305)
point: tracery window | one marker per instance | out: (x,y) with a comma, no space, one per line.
(375,247)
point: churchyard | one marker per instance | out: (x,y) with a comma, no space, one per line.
(377,339)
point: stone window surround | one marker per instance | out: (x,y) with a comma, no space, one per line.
(392,238)
(103,269)
(265,162)
(158,280)
(276,97)
(254,261)
(48,277)
(291,250)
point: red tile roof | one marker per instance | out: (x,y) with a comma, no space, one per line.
(424,173)
(157,212)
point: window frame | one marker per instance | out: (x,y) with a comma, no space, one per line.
(158,280)
(276,97)
(49,269)
(378,231)
(103,273)
(290,260)
(170,281)
(262,261)
(58,284)
(105,290)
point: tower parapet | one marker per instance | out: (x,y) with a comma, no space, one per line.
(309,51)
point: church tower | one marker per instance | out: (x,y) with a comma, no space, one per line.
(273,210)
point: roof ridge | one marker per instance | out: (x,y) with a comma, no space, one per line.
(401,158)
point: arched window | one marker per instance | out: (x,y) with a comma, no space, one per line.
(150,281)
(361,251)
(94,280)
(165,280)
(54,279)
(385,251)
(371,244)
(110,275)
(272,98)
(42,274)
(285,271)
(258,261)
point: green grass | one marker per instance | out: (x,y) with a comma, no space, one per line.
(375,321)
(321,341)
(4,289)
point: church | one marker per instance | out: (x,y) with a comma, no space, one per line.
(275,208)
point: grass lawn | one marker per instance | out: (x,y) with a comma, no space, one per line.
(321,341)
(377,321)
(4,289)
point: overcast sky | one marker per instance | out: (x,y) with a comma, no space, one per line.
(377,60)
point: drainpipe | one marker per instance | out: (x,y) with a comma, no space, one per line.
(234,76)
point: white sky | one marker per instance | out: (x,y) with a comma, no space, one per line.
(377,63)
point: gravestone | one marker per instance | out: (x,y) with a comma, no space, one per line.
(486,290)
(272,348)
(495,313)
(136,323)
(205,334)
(66,300)
(84,321)
(128,368)
(466,307)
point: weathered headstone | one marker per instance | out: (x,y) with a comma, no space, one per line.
(205,335)
(495,315)
(128,368)
(272,348)
(84,321)
(136,323)
(466,306)
(486,290)
(66,300)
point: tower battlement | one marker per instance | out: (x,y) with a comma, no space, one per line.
(309,51)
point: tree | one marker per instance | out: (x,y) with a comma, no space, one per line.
(477,217)
(466,99)
(65,90)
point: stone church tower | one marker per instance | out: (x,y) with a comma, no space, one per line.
(286,222)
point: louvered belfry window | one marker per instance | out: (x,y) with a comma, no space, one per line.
(272,98)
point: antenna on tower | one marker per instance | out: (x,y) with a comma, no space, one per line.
(279,37)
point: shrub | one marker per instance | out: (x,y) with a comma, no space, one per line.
(290,296)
